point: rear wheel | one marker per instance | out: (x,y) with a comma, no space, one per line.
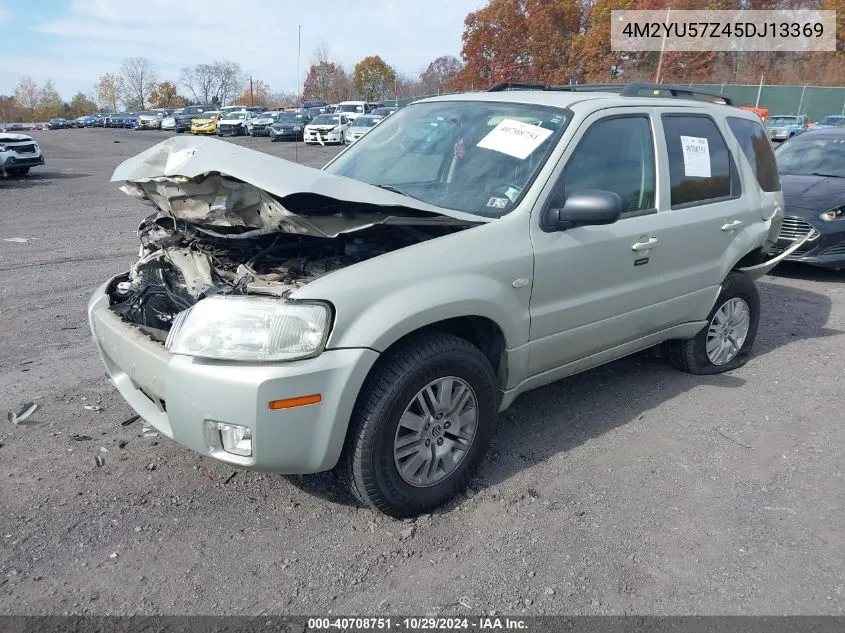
(421,426)
(725,342)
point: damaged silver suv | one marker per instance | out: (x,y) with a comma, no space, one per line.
(376,315)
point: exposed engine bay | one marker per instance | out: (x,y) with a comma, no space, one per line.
(181,264)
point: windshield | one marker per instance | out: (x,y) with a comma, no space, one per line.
(350,107)
(833,120)
(326,119)
(809,155)
(289,117)
(210,114)
(366,121)
(236,115)
(783,120)
(476,157)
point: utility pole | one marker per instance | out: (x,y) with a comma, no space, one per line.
(298,55)
(662,47)
(251,94)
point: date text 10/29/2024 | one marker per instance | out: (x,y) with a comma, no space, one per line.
(417,624)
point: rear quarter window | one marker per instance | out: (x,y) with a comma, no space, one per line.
(701,169)
(757,148)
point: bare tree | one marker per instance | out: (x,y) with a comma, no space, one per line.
(220,82)
(108,90)
(26,94)
(230,81)
(139,76)
(322,54)
(200,82)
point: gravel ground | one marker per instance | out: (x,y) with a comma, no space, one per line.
(630,489)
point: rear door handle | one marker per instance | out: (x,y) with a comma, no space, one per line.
(647,245)
(732,225)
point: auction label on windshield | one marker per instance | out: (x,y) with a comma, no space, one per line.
(515,138)
(797,30)
(421,623)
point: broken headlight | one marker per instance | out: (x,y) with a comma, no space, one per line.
(250,329)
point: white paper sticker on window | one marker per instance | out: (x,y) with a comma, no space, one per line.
(515,138)
(696,156)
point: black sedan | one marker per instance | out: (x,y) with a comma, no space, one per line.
(289,126)
(812,175)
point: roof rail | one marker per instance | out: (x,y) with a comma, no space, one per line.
(625,90)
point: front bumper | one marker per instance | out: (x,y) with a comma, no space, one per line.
(203,129)
(149,125)
(178,394)
(825,248)
(13,160)
(326,137)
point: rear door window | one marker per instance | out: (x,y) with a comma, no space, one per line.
(701,169)
(757,148)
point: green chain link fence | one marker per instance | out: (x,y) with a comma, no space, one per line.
(814,101)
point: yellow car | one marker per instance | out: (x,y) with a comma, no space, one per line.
(207,124)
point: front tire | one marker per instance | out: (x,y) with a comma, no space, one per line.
(17,172)
(422,424)
(726,341)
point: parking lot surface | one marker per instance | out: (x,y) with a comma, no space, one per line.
(629,489)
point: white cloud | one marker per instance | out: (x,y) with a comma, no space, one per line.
(96,34)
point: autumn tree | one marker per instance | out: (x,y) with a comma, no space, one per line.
(27,94)
(373,78)
(108,90)
(256,93)
(49,101)
(440,74)
(81,104)
(9,108)
(165,95)
(139,76)
(326,81)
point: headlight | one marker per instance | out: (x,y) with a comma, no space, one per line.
(834,214)
(250,329)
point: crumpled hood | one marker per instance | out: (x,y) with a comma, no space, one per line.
(212,183)
(813,193)
(6,137)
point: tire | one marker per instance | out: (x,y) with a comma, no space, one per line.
(691,355)
(17,172)
(368,463)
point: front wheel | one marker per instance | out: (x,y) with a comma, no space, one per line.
(17,172)
(422,424)
(725,342)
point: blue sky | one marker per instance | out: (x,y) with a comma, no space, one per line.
(73,42)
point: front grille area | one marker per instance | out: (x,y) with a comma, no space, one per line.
(23,149)
(795,228)
(839,249)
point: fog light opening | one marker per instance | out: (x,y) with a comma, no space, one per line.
(234,438)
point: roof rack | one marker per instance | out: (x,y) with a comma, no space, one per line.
(625,90)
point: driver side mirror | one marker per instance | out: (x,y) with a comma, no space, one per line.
(585,208)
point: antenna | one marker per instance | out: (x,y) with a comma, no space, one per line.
(298,93)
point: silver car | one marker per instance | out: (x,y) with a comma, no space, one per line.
(375,316)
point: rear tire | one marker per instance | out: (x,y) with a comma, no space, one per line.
(395,424)
(738,302)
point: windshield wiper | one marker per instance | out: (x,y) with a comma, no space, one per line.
(394,190)
(823,175)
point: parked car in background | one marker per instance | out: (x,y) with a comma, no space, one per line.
(18,153)
(828,122)
(289,126)
(259,125)
(184,118)
(149,120)
(169,122)
(117,119)
(84,121)
(782,126)
(812,174)
(130,121)
(100,119)
(326,128)
(206,122)
(352,108)
(59,124)
(234,123)
(307,105)
(385,111)
(361,125)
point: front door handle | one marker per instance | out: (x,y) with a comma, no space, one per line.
(732,225)
(647,245)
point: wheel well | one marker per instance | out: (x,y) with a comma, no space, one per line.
(481,332)
(750,259)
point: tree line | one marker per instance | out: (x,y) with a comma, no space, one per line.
(550,41)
